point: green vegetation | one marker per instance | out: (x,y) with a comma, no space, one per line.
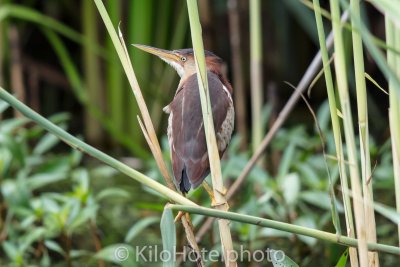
(325,192)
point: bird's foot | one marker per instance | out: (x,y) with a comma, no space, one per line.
(179,216)
(223,192)
(210,192)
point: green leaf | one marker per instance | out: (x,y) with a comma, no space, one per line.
(343,259)
(82,217)
(54,164)
(287,159)
(43,179)
(9,142)
(54,246)
(9,126)
(319,199)
(388,212)
(306,221)
(280,259)
(168,233)
(323,116)
(10,249)
(3,106)
(31,237)
(308,175)
(5,161)
(81,177)
(121,254)
(47,142)
(290,186)
(138,227)
(111,193)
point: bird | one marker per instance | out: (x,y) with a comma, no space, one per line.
(186,134)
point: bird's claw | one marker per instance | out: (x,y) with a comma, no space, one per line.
(179,216)
(223,192)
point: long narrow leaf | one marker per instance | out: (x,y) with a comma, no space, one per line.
(168,233)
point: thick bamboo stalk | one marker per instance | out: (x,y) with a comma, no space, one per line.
(213,154)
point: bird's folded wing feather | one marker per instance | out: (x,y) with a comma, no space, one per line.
(188,143)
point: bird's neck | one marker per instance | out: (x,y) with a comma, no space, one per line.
(191,72)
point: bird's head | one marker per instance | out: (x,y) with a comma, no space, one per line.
(182,60)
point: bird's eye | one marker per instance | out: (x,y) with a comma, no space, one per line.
(183,59)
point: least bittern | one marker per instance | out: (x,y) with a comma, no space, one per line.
(186,134)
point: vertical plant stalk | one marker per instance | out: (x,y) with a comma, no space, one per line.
(237,63)
(2,41)
(96,240)
(393,40)
(17,80)
(341,77)
(362,108)
(213,154)
(207,21)
(147,125)
(336,130)
(256,72)
(115,92)
(84,147)
(91,66)
(167,78)
(302,86)
(140,30)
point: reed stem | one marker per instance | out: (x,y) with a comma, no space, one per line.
(287,227)
(336,130)
(362,110)
(393,39)
(213,154)
(341,78)
(256,72)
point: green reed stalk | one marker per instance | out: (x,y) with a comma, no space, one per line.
(213,154)
(341,77)
(362,109)
(336,130)
(91,71)
(114,76)
(140,31)
(287,227)
(2,46)
(393,39)
(256,72)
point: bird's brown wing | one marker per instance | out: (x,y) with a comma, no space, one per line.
(187,137)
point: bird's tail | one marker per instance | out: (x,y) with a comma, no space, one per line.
(185,185)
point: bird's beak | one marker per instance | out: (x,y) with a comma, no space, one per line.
(163,54)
